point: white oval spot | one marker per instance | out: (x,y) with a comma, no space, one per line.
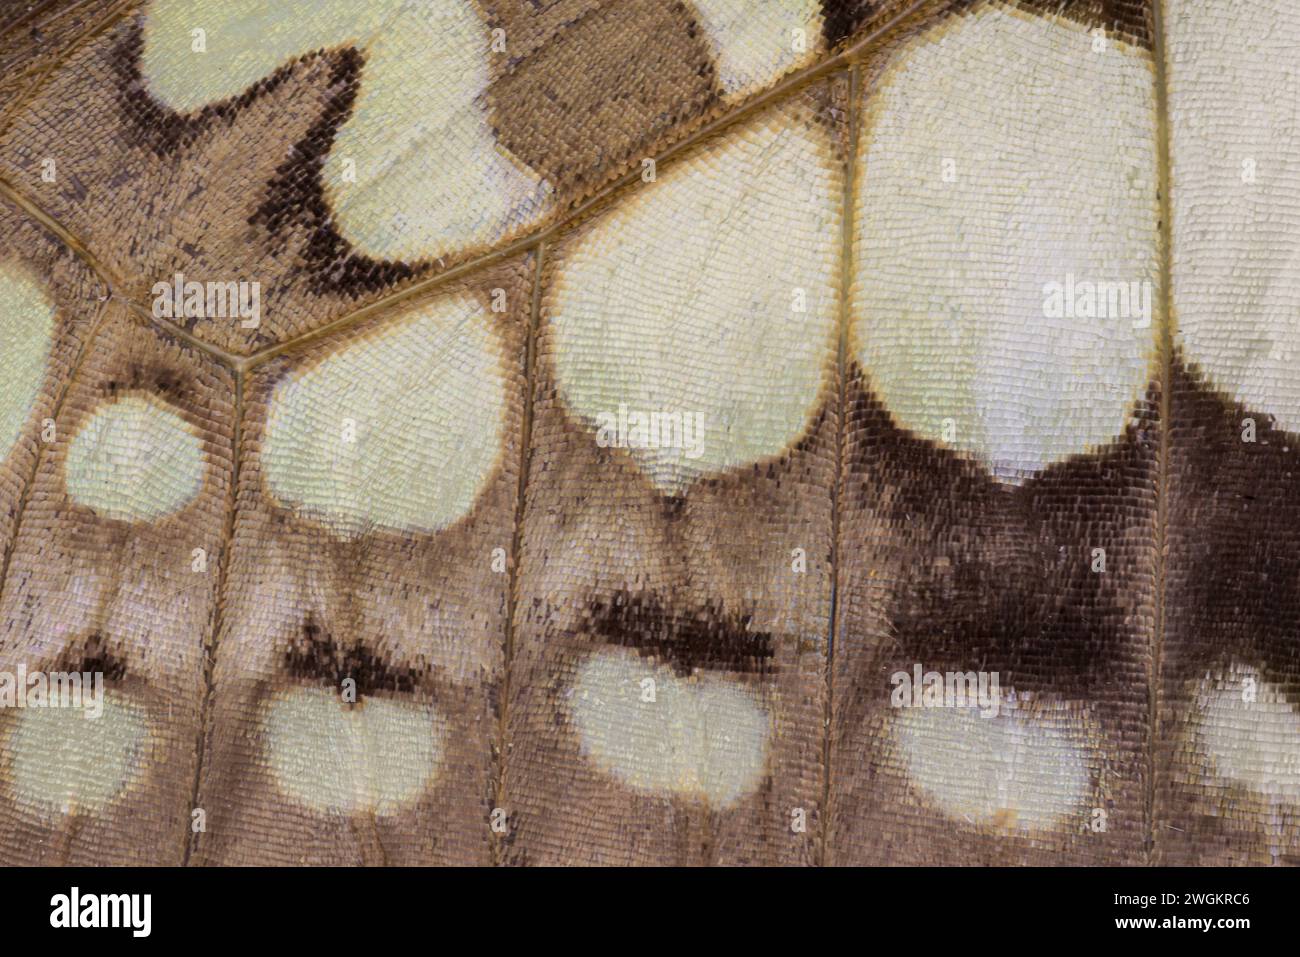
(415,171)
(702,737)
(62,762)
(1005,169)
(1013,771)
(1234,82)
(401,430)
(756,41)
(135,460)
(377,756)
(1250,732)
(710,296)
(26,336)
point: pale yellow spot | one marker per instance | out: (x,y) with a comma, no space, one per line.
(61,762)
(756,41)
(1234,86)
(1251,733)
(135,460)
(400,431)
(1012,771)
(712,294)
(1000,155)
(26,335)
(376,757)
(703,737)
(415,171)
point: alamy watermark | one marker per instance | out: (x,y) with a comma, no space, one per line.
(180,299)
(632,429)
(74,909)
(53,689)
(1084,299)
(951,689)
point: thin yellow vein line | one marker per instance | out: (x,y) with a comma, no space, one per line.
(234,362)
(110,281)
(34,210)
(218,612)
(516,548)
(847,226)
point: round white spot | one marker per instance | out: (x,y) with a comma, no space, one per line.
(376,756)
(135,460)
(1250,732)
(1013,770)
(26,336)
(695,324)
(63,762)
(1006,277)
(704,737)
(400,431)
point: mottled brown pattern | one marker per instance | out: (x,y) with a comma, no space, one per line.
(914,554)
(1130,19)
(34,36)
(941,565)
(151,193)
(580,74)
(1231,597)
(128,189)
(409,616)
(82,587)
(700,582)
(718,558)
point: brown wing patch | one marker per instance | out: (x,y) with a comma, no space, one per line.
(941,566)
(223,196)
(667,687)
(947,570)
(232,191)
(842,18)
(1230,641)
(602,90)
(130,598)
(415,619)
(1130,19)
(36,37)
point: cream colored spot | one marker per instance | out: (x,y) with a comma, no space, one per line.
(415,171)
(711,294)
(399,431)
(1003,160)
(1015,771)
(376,757)
(1254,742)
(135,460)
(702,737)
(757,41)
(63,763)
(1234,86)
(26,335)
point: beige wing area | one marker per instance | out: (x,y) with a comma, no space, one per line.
(114,576)
(361,652)
(503,432)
